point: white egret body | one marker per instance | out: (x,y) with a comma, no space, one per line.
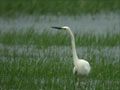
(81,66)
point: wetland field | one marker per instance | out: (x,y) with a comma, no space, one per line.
(35,57)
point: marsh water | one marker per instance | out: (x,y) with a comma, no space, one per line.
(98,23)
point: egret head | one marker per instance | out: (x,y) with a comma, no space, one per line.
(62,28)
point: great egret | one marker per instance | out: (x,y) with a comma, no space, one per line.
(81,66)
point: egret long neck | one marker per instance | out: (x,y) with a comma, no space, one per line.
(73,46)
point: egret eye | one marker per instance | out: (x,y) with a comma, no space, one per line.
(64,28)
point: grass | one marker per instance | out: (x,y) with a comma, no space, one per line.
(46,39)
(69,7)
(40,67)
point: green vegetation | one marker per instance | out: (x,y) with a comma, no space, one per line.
(22,67)
(46,39)
(69,7)
(42,61)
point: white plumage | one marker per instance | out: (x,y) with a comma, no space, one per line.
(81,66)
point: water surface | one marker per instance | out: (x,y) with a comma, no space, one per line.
(99,23)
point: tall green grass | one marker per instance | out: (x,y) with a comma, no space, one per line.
(33,72)
(59,39)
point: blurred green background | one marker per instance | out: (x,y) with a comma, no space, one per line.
(70,7)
